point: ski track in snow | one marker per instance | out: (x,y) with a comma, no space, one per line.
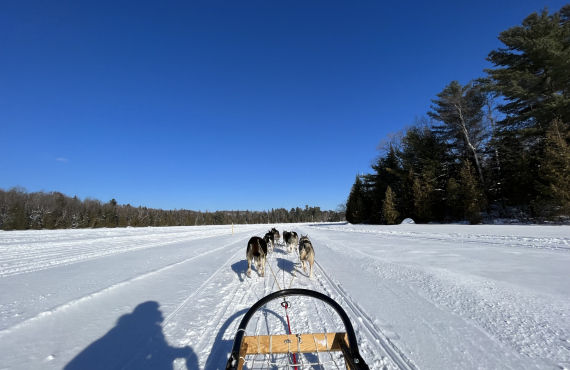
(410,309)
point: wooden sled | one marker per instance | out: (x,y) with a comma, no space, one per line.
(291,344)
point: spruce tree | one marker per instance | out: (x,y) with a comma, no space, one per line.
(424,157)
(387,172)
(554,180)
(453,205)
(389,211)
(471,194)
(423,196)
(355,203)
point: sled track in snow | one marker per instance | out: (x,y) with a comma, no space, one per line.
(62,307)
(33,256)
(302,313)
(395,354)
(218,314)
(240,295)
(200,288)
(252,289)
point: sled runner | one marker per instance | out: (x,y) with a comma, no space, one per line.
(284,350)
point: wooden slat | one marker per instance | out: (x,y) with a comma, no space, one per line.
(310,343)
(241,359)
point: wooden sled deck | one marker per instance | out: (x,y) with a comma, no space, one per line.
(294,344)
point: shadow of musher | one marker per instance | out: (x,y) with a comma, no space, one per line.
(136,342)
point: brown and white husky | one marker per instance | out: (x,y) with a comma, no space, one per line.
(306,253)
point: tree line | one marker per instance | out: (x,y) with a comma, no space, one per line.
(20,210)
(497,146)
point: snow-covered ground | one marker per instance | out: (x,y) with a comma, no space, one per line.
(419,296)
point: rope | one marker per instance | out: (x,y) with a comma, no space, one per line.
(285,304)
(275,277)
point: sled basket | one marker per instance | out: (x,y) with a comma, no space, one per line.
(287,346)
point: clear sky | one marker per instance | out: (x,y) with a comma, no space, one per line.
(215,105)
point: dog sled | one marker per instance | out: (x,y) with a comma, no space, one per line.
(295,350)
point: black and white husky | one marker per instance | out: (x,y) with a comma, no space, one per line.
(256,253)
(270,240)
(291,240)
(276,235)
(306,253)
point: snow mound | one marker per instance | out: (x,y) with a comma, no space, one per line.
(408,221)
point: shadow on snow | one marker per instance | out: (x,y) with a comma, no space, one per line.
(286,265)
(240,268)
(136,342)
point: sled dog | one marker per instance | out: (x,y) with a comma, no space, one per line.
(291,240)
(276,235)
(269,240)
(306,253)
(256,253)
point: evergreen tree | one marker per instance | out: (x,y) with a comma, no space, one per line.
(514,182)
(387,172)
(424,157)
(453,204)
(532,72)
(407,201)
(423,192)
(460,111)
(554,180)
(473,201)
(389,211)
(355,203)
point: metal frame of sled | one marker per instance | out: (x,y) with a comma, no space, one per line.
(344,342)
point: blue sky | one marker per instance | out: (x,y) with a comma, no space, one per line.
(214,105)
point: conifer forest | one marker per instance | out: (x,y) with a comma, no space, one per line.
(496,147)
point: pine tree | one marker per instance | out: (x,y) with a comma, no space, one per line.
(532,72)
(532,75)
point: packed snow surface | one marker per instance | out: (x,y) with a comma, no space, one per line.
(419,296)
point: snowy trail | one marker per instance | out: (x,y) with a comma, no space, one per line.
(419,296)
(468,307)
(236,296)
